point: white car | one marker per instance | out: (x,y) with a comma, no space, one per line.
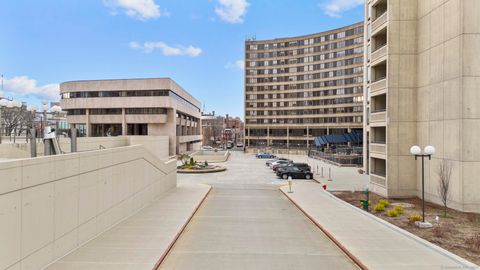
(207,147)
(277,162)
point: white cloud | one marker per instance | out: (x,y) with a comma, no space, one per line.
(335,8)
(138,9)
(166,50)
(232,11)
(23,85)
(239,64)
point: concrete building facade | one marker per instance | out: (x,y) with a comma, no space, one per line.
(298,88)
(422,68)
(157,107)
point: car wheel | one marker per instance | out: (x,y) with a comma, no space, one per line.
(308,176)
(285,176)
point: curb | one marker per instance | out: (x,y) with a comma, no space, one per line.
(328,234)
(172,243)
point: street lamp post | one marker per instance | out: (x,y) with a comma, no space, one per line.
(428,151)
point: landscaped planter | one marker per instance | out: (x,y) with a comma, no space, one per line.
(210,169)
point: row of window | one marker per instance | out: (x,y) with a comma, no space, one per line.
(310,41)
(313,58)
(332,64)
(326,47)
(308,94)
(343,119)
(94,94)
(123,93)
(344,81)
(353,109)
(109,111)
(321,75)
(305,103)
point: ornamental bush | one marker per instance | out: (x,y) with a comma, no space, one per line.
(379,207)
(384,202)
(399,209)
(392,213)
(415,217)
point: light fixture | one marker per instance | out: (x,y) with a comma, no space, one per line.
(415,150)
(429,150)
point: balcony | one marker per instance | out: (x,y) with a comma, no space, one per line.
(378,85)
(378,148)
(379,54)
(377,179)
(379,23)
(378,116)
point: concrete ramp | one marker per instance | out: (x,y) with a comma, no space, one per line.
(142,240)
(252,227)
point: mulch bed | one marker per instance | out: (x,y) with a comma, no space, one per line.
(458,233)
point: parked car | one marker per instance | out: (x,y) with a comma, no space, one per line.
(301,166)
(239,145)
(207,147)
(279,163)
(264,155)
(269,162)
(295,173)
(229,146)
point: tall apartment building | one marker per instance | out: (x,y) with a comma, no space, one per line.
(158,107)
(422,87)
(298,88)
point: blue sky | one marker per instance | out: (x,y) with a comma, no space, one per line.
(198,43)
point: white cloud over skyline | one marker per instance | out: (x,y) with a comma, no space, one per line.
(237,65)
(335,8)
(138,9)
(25,86)
(165,49)
(232,11)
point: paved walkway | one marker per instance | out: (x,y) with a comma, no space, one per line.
(141,240)
(252,227)
(376,243)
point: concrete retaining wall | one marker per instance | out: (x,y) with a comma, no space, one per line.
(51,205)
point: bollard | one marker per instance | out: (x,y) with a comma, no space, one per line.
(73,140)
(329,174)
(322,172)
(33,142)
(290,184)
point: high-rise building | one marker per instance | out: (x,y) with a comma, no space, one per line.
(298,88)
(422,88)
(157,107)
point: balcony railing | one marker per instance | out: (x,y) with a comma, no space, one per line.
(378,148)
(378,85)
(379,53)
(378,116)
(378,23)
(378,178)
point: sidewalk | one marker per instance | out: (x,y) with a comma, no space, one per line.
(142,240)
(374,242)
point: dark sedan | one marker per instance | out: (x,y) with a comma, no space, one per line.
(295,173)
(301,166)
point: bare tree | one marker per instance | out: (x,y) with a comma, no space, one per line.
(17,120)
(444,176)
